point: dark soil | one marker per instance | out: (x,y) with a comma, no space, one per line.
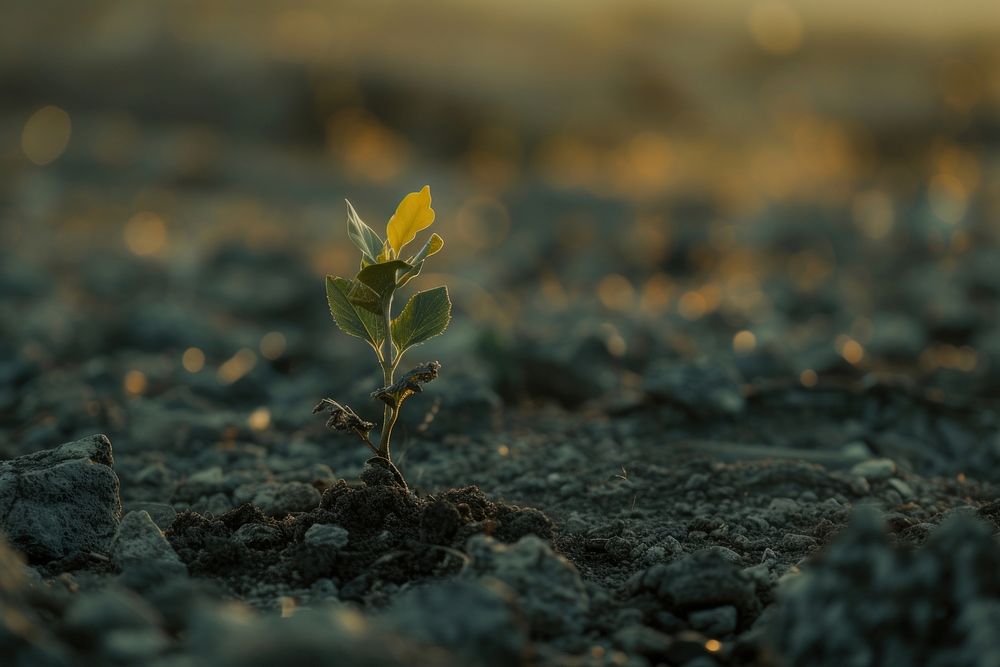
(395,538)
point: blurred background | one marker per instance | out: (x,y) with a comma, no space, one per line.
(807,191)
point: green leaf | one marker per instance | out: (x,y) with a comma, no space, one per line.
(363,236)
(349,318)
(365,297)
(432,247)
(426,315)
(381,278)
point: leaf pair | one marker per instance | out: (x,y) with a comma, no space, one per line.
(425,315)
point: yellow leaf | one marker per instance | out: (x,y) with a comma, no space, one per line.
(413,214)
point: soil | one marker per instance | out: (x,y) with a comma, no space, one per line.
(708,426)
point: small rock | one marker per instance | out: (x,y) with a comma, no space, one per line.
(857,449)
(328,536)
(477,620)
(875,470)
(142,552)
(702,580)
(901,487)
(704,387)
(715,622)
(783,507)
(549,589)
(162,514)
(644,641)
(60,502)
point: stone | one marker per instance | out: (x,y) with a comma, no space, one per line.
(643,640)
(61,502)
(902,488)
(162,514)
(327,536)
(549,590)
(142,554)
(704,579)
(705,387)
(716,622)
(875,470)
(139,546)
(475,619)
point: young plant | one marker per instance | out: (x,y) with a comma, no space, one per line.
(362,307)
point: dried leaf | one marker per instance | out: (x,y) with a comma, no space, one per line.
(407,385)
(343,418)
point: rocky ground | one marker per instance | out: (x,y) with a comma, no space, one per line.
(702,511)
(743,416)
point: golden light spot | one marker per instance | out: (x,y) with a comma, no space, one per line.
(948,198)
(616,345)
(259,419)
(145,233)
(713,646)
(960,478)
(193,360)
(350,621)
(776,27)
(45,135)
(237,366)
(503,450)
(744,342)
(367,147)
(614,342)
(645,165)
(873,214)
(288,605)
(135,382)
(808,378)
(615,292)
(272,345)
(851,350)
(692,305)
(656,294)
(967,359)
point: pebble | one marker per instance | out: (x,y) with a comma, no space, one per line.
(326,535)
(714,622)
(875,470)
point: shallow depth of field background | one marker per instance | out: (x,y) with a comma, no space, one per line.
(814,183)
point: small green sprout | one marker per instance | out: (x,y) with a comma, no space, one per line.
(362,307)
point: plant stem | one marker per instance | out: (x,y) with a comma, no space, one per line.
(388,368)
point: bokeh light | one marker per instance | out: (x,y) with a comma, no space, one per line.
(45,135)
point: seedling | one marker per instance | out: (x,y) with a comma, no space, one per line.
(362,307)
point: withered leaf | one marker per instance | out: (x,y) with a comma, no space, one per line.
(343,418)
(407,385)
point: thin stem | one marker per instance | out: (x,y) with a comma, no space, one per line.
(388,369)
